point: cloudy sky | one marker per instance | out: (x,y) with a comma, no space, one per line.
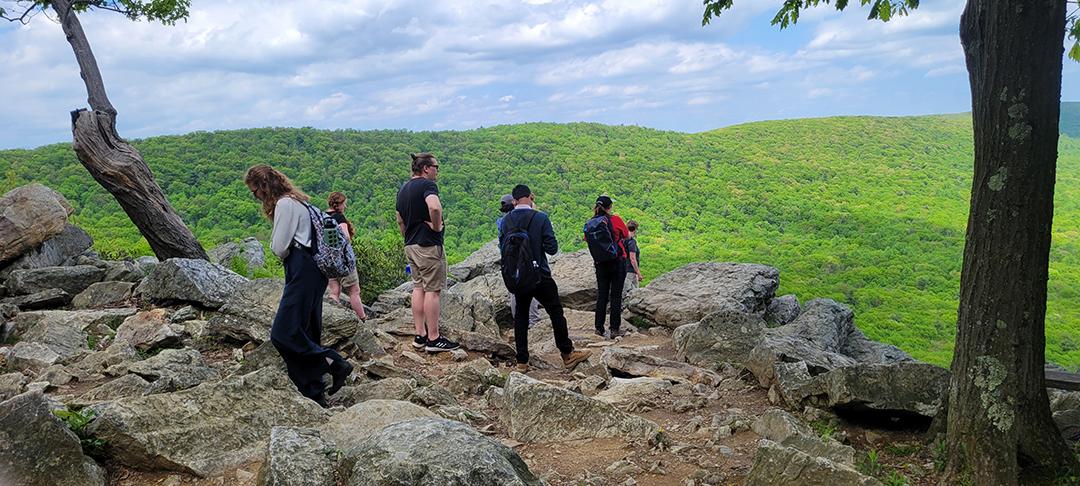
(454,64)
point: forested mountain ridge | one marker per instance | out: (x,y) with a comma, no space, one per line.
(869,211)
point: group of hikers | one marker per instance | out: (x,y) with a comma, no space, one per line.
(314,249)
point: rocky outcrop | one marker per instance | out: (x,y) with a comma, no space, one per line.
(689,293)
(103,294)
(725,336)
(149,330)
(59,250)
(451,453)
(357,423)
(537,412)
(72,280)
(30,215)
(248,251)
(190,280)
(480,262)
(298,456)
(249,312)
(782,310)
(206,429)
(37,449)
(576,277)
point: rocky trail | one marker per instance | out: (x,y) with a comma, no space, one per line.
(146,372)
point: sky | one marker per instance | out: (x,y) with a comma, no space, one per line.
(458,65)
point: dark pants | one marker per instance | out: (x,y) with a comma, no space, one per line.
(547,293)
(297,329)
(610,279)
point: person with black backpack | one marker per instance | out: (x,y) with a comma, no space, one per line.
(605,233)
(526,237)
(297,329)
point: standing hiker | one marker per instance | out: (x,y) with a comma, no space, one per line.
(525,239)
(297,329)
(420,219)
(506,204)
(633,253)
(335,205)
(604,234)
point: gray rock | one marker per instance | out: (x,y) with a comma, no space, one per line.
(473,377)
(298,457)
(537,412)
(779,465)
(203,430)
(782,310)
(12,384)
(378,368)
(1068,422)
(482,343)
(149,330)
(103,294)
(124,271)
(98,322)
(173,370)
(726,336)
(118,353)
(69,279)
(631,363)
(452,454)
(689,293)
(887,389)
(624,391)
(386,389)
(190,280)
(249,252)
(32,356)
(56,251)
(122,387)
(249,312)
(480,262)
(30,215)
(480,305)
(46,299)
(36,448)
(783,428)
(65,338)
(357,423)
(577,280)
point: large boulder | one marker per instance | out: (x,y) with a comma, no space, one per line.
(780,465)
(895,391)
(353,426)
(29,215)
(480,262)
(72,280)
(46,299)
(689,293)
(150,329)
(190,280)
(783,428)
(65,338)
(725,336)
(435,452)
(626,362)
(103,294)
(32,356)
(298,456)
(203,430)
(479,305)
(248,251)
(782,310)
(56,251)
(249,312)
(38,449)
(173,370)
(576,277)
(535,411)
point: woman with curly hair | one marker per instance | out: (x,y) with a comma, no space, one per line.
(335,205)
(297,329)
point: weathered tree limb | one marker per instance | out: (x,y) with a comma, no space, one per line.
(114,163)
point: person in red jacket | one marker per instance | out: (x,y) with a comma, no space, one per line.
(610,275)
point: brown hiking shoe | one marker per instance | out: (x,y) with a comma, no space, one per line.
(572,358)
(521,367)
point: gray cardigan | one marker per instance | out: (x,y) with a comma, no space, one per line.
(291,223)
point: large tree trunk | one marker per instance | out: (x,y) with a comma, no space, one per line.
(115,164)
(999,427)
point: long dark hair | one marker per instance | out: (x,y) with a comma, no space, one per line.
(599,210)
(268,185)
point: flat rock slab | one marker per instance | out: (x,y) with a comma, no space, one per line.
(203,430)
(779,465)
(38,449)
(190,280)
(357,423)
(689,293)
(435,452)
(103,294)
(298,456)
(632,363)
(72,280)
(535,411)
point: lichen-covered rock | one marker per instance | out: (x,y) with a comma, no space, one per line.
(122,387)
(537,412)
(173,370)
(689,293)
(103,294)
(783,428)
(472,377)
(725,336)
(45,299)
(203,430)
(623,391)
(779,465)
(249,252)
(385,389)
(150,329)
(894,388)
(29,215)
(449,454)
(12,384)
(480,262)
(190,280)
(349,428)
(37,449)
(56,251)
(298,456)
(32,356)
(72,280)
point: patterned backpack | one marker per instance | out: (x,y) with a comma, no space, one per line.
(330,246)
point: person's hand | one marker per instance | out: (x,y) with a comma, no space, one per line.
(639,277)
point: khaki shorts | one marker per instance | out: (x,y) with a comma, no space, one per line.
(349,280)
(428,264)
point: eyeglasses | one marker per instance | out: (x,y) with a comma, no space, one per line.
(436,166)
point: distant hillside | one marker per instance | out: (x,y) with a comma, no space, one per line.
(866,210)
(1070,119)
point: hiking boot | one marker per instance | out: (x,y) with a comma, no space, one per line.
(572,358)
(521,367)
(321,400)
(419,341)
(440,345)
(339,370)
(615,333)
(601,333)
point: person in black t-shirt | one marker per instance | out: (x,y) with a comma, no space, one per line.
(419,217)
(633,253)
(335,205)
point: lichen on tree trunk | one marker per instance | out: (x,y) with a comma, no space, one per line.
(999,426)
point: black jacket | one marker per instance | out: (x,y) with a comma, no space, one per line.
(542,240)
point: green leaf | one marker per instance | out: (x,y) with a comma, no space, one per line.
(1074,53)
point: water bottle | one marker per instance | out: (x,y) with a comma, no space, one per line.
(408,270)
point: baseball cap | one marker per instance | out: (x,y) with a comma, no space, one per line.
(506,203)
(604,201)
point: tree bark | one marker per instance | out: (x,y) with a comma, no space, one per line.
(999,426)
(114,163)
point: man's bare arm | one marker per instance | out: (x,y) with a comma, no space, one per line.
(400,223)
(434,212)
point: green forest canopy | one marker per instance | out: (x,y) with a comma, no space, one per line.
(869,211)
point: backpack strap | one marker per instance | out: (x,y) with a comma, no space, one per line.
(527,223)
(312,216)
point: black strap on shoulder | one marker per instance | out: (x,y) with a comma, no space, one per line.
(527,223)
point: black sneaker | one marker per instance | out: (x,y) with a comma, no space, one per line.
(339,370)
(419,341)
(321,400)
(440,345)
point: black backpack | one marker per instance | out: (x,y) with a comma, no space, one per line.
(520,271)
(601,239)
